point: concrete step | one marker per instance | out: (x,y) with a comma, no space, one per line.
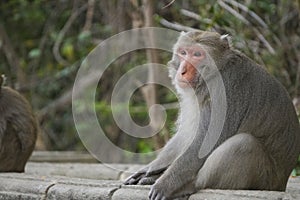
(96,181)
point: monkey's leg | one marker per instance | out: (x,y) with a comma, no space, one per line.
(241,162)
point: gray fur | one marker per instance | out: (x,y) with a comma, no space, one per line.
(260,140)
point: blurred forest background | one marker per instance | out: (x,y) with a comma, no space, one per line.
(42,44)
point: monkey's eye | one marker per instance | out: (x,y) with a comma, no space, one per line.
(182,52)
(197,54)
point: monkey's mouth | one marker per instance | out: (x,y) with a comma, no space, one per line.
(184,83)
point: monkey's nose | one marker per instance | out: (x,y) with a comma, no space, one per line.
(183,70)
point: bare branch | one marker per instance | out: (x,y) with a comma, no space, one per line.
(66,99)
(168,4)
(12,57)
(62,33)
(298,70)
(89,15)
(177,27)
(195,16)
(251,13)
(149,91)
(244,20)
(233,12)
(288,17)
(48,26)
(264,41)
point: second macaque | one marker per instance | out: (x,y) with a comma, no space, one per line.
(18,130)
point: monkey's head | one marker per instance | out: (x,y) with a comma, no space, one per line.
(196,56)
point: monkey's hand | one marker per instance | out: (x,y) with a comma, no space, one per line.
(164,189)
(149,179)
(176,182)
(136,177)
(145,176)
(151,176)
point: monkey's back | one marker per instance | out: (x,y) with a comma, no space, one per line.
(18,131)
(270,111)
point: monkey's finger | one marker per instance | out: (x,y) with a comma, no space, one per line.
(152,194)
(152,172)
(133,179)
(147,181)
(132,182)
(182,198)
(133,176)
(127,181)
(155,195)
(158,196)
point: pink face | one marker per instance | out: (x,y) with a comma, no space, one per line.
(190,58)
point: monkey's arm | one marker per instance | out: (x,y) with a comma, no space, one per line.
(178,174)
(153,170)
(183,171)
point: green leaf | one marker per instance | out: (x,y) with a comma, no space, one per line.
(68,50)
(294,172)
(34,53)
(84,35)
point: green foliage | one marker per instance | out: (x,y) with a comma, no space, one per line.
(296,171)
(34,53)
(35,27)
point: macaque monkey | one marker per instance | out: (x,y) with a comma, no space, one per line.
(18,130)
(259,143)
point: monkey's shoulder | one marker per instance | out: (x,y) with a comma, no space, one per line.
(7,92)
(249,80)
(245,66)
(11,101)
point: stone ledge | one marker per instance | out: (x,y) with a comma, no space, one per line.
(62,157)
(96,181)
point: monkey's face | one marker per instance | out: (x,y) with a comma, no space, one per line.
(190,59)
(197,56)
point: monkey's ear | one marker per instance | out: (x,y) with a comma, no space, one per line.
(182,33)
(2,80)
(226,38)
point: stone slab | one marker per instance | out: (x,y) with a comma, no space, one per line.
(132,192)
(49,181)
(28,187)
(62,157)
(21,186)
(242,195)
(82,190)
(78,170)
